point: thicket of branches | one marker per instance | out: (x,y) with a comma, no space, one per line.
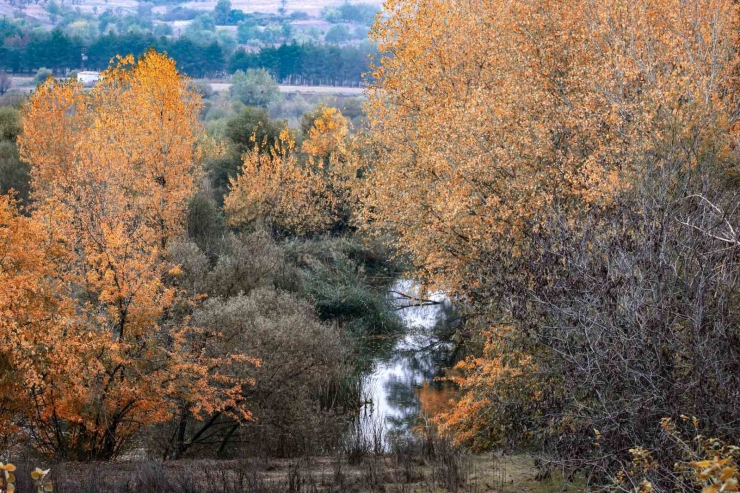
(568,170)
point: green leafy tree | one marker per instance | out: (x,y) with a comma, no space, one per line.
(360,13)
(203,23)
(255,87)
(222,12)
(338,34)
(250,128)
(287,31)
(226,40)
(163,29)
(246,31)
(14,173)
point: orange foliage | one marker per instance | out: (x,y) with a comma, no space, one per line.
(436,400)
(494,117)
(328,134)
(32,314)
(112,171)
(136,130)
(275,188)
(492,112)
(294,195)
(500,373)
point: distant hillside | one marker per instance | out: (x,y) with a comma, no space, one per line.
(37,12)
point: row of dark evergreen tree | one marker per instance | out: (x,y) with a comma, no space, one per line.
(293,63)
(309,64)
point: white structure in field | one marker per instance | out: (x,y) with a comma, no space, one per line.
(88,78)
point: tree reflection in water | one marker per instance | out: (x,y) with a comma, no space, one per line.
(403,372)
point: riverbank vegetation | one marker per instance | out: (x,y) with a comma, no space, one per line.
(136,320)
(566,170)
(393,472)
(185,277)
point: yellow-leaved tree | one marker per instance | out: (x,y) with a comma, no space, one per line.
(298,194)
(327,135)
(490,113)
(275,189)
(112,169)
(561,169)
(33,319)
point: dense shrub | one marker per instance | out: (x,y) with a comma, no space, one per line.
(298,355)
(14,173)
(581,204)
(348,282)
(41,75)
(255,87)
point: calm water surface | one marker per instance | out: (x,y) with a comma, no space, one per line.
(407,365)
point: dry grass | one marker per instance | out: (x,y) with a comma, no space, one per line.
(388,474)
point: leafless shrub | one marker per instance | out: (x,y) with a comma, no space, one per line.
(300,478)
(374,475)
(629,313)
(355,444)
(448,465)
(243,264)
(176,477)
(407,460)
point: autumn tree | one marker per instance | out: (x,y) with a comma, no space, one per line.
(325,131)
(33,322)
(113,170)
(275,190)
(259,301)
(297,193)
(496,110)
(330,148)
(561,168)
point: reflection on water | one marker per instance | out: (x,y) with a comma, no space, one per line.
(402,372)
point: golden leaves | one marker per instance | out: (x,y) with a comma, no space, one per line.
(296,194)
(39,478)
(496,119)
(113,171)
(491,113)
(720,474)
(327,135)
(502,372)
(7,477)
(274,187)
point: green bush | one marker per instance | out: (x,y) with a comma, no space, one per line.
(42,74)
(255,87)
(348,282)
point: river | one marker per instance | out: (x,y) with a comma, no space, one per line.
(401,373)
